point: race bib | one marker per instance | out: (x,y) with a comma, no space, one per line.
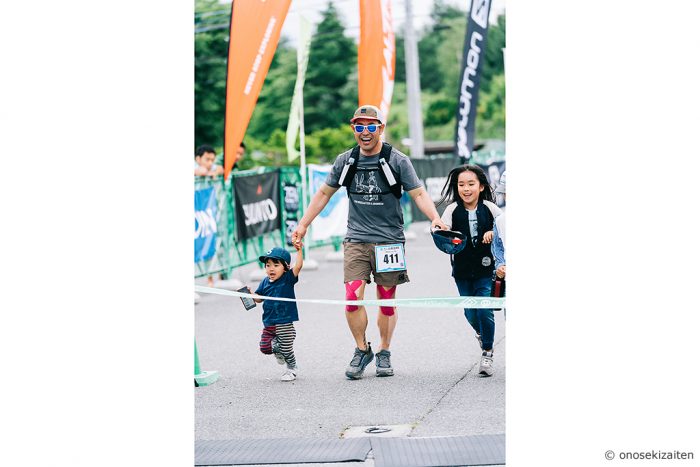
(390,258)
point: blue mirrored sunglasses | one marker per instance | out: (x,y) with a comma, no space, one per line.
(361,128)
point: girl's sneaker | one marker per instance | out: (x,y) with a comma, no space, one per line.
(485,367)
(290,374)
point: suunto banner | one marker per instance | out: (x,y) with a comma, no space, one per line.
(257,204)
(472,58)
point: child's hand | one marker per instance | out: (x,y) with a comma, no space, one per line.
(298,245)
(488,236)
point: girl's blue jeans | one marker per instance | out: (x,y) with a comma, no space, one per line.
(480,319)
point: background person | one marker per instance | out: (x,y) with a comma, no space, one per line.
(204,165)
(375,221)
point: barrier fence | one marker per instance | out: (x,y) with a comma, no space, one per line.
(229,234)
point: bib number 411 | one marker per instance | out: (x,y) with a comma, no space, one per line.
(390,257)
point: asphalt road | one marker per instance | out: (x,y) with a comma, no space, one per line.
(436,389)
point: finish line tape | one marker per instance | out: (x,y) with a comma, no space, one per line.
(438,302)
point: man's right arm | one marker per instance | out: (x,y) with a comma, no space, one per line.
(318,202)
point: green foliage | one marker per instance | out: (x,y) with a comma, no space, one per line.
(272,109)
(495,42)
(440,111)
(446,20)
(210,53)
(491,111)
(325,144)
(330,90)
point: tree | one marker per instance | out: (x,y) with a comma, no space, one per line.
(330,91)
(272,109)
(434,37)
(210,55)
(493,59)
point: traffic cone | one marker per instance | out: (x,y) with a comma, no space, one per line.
(202,378)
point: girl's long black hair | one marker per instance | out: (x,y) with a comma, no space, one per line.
(450,192)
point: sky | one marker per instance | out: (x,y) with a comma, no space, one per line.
(349,12)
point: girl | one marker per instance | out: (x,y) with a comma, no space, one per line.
(471,212)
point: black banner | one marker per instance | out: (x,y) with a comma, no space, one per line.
(291,206)
(472,59)
(257,204)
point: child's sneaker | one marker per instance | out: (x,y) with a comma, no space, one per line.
(290,374)
(277,352)
(485,367)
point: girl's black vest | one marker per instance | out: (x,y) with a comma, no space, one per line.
(474,261)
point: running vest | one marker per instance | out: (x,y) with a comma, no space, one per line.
(383,167)
(473,261)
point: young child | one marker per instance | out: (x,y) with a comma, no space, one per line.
(471,212)
(278,316)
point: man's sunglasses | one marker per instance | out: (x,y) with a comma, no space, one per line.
(370,128)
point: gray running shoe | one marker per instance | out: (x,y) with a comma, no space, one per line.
(384,363)
(358,363)
(277,352)
(486,364)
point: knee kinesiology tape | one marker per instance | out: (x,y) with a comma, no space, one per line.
(386,293)
(351,294)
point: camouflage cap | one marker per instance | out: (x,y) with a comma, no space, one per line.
(369,112)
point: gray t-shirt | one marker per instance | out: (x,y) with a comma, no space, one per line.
(375,214)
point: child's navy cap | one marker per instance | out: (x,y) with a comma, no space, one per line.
(449,241)
(277,253)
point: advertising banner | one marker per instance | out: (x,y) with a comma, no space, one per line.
(472,60)
(257,204)
(255,31)
(291,207)
(376,54)
(333,220)
(205,219)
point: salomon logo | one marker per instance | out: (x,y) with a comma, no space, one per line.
(480,13)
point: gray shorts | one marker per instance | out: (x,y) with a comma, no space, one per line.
(359,262)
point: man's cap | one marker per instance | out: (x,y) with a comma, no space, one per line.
(277,253)
(501,188)
(370,112)
(449,241)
